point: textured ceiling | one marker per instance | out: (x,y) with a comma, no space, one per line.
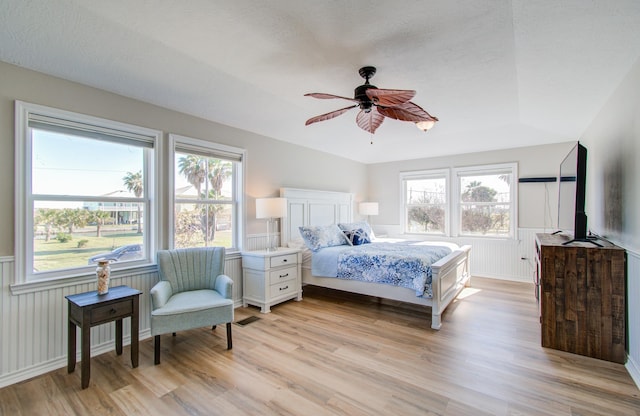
(498,74)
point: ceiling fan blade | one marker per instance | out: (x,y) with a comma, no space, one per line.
(324,96)
(329,116)
(369,121)
(389,98)
(407,112)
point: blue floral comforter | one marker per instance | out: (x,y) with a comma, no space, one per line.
(406,264)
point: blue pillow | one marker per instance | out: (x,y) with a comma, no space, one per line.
(352,226)
(357,237)
(324,236)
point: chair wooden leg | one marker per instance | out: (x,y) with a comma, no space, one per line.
(229,341)
(213,327)
(156,350)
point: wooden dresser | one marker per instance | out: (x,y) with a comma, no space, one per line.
(582,297)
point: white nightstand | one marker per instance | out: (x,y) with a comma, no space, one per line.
(271,277)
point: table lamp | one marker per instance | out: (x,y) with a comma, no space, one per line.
(271,209)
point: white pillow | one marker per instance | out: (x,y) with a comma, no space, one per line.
(317,237)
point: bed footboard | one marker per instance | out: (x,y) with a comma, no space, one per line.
(449,276)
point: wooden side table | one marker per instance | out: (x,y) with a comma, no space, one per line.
(90,309)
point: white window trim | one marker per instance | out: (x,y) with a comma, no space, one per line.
(23,280)
(426,174)
(485,170)
(239,183)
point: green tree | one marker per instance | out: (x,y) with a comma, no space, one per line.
(133,183)
(72,217)
(99,217)
(194,168)
(218,171)
(477,218)
(48,218)
(212,173)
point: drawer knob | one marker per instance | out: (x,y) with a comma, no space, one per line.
(284,275)
(112,311)
(284,261)
(284,288)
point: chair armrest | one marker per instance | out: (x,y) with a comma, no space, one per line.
(224,286)
(160,294)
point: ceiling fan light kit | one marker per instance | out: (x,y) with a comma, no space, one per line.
(376,104)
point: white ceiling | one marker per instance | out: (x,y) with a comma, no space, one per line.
(497,73)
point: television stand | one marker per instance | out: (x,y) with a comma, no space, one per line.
(582,240)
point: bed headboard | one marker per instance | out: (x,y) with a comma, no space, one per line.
(311,207)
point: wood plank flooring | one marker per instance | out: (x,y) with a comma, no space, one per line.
(343,354)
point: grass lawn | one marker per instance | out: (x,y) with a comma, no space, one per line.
(53,255)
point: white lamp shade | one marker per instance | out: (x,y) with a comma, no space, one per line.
(271,207)
(368,208)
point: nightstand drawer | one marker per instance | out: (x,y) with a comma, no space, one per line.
(283,288)
(111,312)
(282,275)
(283,260)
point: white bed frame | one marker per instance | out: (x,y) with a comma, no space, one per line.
(309,207)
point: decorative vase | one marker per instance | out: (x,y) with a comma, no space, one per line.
(103,272)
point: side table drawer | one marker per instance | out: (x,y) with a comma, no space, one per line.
(283,288)
(283,260)
(282,275)
(111,312)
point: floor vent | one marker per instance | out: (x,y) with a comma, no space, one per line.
(247,321)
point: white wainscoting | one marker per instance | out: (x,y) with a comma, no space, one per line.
(633,312)
(33,325)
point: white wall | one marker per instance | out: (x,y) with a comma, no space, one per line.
(537,202)
(613,190)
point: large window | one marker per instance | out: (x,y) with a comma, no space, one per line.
(480,201)
(486,201)
(207,184)
(426,202)
(84,191)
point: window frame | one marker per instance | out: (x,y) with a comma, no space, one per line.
(500,168)
(426,174)
(24,198)
(204,147)
(453,210)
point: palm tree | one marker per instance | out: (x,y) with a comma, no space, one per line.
(48,218)
(219,171)
(99,218)
(133,182)
(194,168)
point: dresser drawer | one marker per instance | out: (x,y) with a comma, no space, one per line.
(111,312)
(282,275)
(283,260)
(283,288)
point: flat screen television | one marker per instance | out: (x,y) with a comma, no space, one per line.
(571,193)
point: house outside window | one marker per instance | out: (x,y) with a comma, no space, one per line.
(207,190)
(85,191)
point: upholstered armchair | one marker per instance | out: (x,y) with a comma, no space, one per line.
(192,292)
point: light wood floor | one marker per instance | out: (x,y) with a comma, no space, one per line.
(339,354)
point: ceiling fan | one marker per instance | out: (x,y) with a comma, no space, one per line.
(376,104)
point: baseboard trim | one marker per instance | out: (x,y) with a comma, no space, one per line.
(634,370)
(60,362)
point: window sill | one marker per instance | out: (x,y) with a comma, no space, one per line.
(75,280)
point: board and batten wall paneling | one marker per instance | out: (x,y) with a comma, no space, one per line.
(33,325)
(633,315)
